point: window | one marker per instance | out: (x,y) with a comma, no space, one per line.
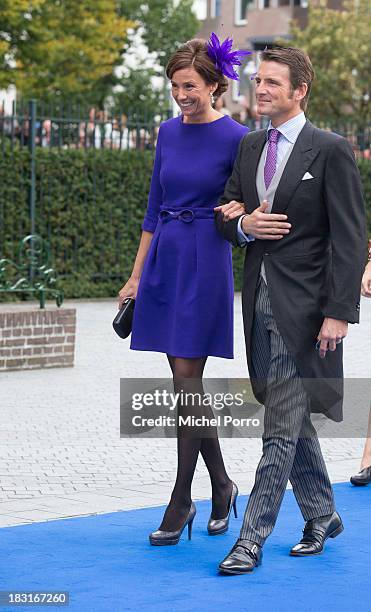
(261,46)
(263,4)
(200,9)
(240,8)
(302,3)
(215,8)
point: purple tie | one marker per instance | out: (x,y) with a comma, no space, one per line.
(271,159)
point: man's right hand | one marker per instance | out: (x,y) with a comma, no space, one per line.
(366,281)
(265,226)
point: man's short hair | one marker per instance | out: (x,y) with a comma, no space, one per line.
(300,67)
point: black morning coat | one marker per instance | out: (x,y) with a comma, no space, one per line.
(315,271)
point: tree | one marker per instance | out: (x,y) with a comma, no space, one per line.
(68,50)
(165,24)
(162,25)
(14,18)
(62,47)
(339,45)
(137,95)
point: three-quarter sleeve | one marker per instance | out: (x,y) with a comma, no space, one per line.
(155,193)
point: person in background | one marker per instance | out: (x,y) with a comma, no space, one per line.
(46,131)
(221,107)
(364,475)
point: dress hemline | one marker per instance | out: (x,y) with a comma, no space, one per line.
(183,356)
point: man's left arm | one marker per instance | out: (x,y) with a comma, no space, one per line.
(347,221)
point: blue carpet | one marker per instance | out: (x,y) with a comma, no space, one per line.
(108,565)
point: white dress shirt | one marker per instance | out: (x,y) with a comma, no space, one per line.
(290,131)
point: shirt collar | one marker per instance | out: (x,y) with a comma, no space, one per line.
(291,128)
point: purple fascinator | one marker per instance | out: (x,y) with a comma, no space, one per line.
(223,57)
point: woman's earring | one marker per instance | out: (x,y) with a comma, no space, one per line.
(212,98)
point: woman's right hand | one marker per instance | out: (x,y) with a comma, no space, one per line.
(231,210)
(130,289)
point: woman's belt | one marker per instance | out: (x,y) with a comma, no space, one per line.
(187,215)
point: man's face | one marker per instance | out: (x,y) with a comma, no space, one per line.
(274,94)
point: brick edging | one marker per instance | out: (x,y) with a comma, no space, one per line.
(37,338)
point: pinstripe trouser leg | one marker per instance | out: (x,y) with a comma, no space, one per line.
(290,444)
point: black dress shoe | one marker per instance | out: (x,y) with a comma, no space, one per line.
(242,559)
(219,526)
(316,532)
(362,478)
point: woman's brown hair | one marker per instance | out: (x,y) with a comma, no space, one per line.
(193,54)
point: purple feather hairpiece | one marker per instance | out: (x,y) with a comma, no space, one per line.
(223,57)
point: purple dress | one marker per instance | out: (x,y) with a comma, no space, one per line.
(184,305)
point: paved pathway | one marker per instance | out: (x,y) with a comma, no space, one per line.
(60,450)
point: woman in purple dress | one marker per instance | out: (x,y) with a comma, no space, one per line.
(182,277)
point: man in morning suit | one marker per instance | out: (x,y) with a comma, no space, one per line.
(305,247)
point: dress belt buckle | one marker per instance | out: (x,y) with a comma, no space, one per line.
(186,215)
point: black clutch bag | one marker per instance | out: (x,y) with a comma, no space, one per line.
(123,321)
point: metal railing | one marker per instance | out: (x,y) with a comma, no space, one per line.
(69,127)
(48,127)
(30,274)
(359,139)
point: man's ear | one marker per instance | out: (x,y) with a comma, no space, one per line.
(301,91)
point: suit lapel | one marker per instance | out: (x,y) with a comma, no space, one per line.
(249,169)
(302,156)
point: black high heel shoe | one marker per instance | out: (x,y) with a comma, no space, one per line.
(167,538)
(219,526)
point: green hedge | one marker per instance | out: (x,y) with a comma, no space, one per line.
(90,205)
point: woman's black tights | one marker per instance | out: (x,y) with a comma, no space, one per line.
(187,375)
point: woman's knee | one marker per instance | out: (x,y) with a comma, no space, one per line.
(188,368)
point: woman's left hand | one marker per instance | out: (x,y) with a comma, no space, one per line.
(231,210)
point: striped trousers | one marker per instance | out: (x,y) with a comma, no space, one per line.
(291,449)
